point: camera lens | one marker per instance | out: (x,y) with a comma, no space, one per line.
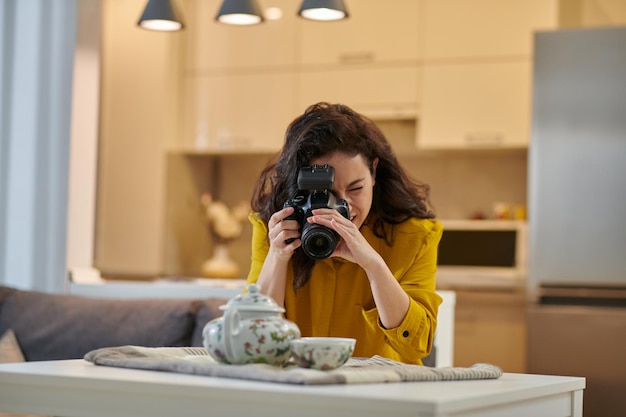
(318,242)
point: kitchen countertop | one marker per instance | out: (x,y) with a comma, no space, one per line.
(161,288)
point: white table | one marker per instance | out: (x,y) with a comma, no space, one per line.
(78,388)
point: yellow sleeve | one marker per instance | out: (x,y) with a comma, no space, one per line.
(260,247)
(415,335)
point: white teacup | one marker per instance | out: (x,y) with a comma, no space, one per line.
(323,353)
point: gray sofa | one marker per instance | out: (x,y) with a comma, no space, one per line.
(52,326)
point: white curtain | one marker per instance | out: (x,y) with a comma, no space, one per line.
(37,42)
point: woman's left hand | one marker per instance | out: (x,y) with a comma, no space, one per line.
(352,246)
(391,300)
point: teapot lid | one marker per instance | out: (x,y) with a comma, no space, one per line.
(253,300)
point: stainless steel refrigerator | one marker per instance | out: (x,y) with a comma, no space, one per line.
(577,213)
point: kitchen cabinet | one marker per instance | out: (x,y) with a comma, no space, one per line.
(380,93)
(484,28)
(217,47)
(243,85)
(375,32)
(369,62)
(238,85)
(475,104)
(477,59)
(490,327)
(234,112)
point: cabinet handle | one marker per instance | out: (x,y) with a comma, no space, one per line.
(484,139)
(356,57)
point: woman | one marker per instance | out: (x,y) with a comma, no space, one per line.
(378,286)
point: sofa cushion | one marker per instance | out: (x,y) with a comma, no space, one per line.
(6,292)
(10,351)
(208,310)
(53,326)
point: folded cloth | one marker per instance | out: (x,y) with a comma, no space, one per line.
(197,361)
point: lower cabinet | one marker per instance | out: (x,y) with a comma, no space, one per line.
(490,327)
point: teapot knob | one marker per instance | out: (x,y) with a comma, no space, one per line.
(254,288)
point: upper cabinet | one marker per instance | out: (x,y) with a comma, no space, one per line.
(242,86)
(380,93)
(477,69)
(476,105)
(245,112)
(461,68)
(484,29)
(238,84)
(214,46)
(369,62)
(375,32)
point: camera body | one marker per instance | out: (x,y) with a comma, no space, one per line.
(318,242)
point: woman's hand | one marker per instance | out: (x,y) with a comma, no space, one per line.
(391,300)
(284,235)
(273,276)
(352,246)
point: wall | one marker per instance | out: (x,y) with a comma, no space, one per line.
(84,136)
(463,182)
(137,122)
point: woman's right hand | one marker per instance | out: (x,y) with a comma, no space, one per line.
(284,235)
(273,275)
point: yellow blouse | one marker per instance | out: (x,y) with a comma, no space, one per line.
(337,300)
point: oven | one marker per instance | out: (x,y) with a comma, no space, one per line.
(484,263)
(482,253)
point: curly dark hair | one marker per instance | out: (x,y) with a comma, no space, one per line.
(325,129)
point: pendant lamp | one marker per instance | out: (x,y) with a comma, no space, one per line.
(160,15)
(324,10)
(239,12)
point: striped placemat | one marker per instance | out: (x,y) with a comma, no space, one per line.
(196,361)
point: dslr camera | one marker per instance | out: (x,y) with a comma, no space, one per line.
(318,242)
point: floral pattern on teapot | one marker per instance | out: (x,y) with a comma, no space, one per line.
(252,330)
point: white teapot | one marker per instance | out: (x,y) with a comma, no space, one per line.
(252,330)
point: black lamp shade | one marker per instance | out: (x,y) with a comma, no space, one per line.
(324,10)
(160,15)
(239,12)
